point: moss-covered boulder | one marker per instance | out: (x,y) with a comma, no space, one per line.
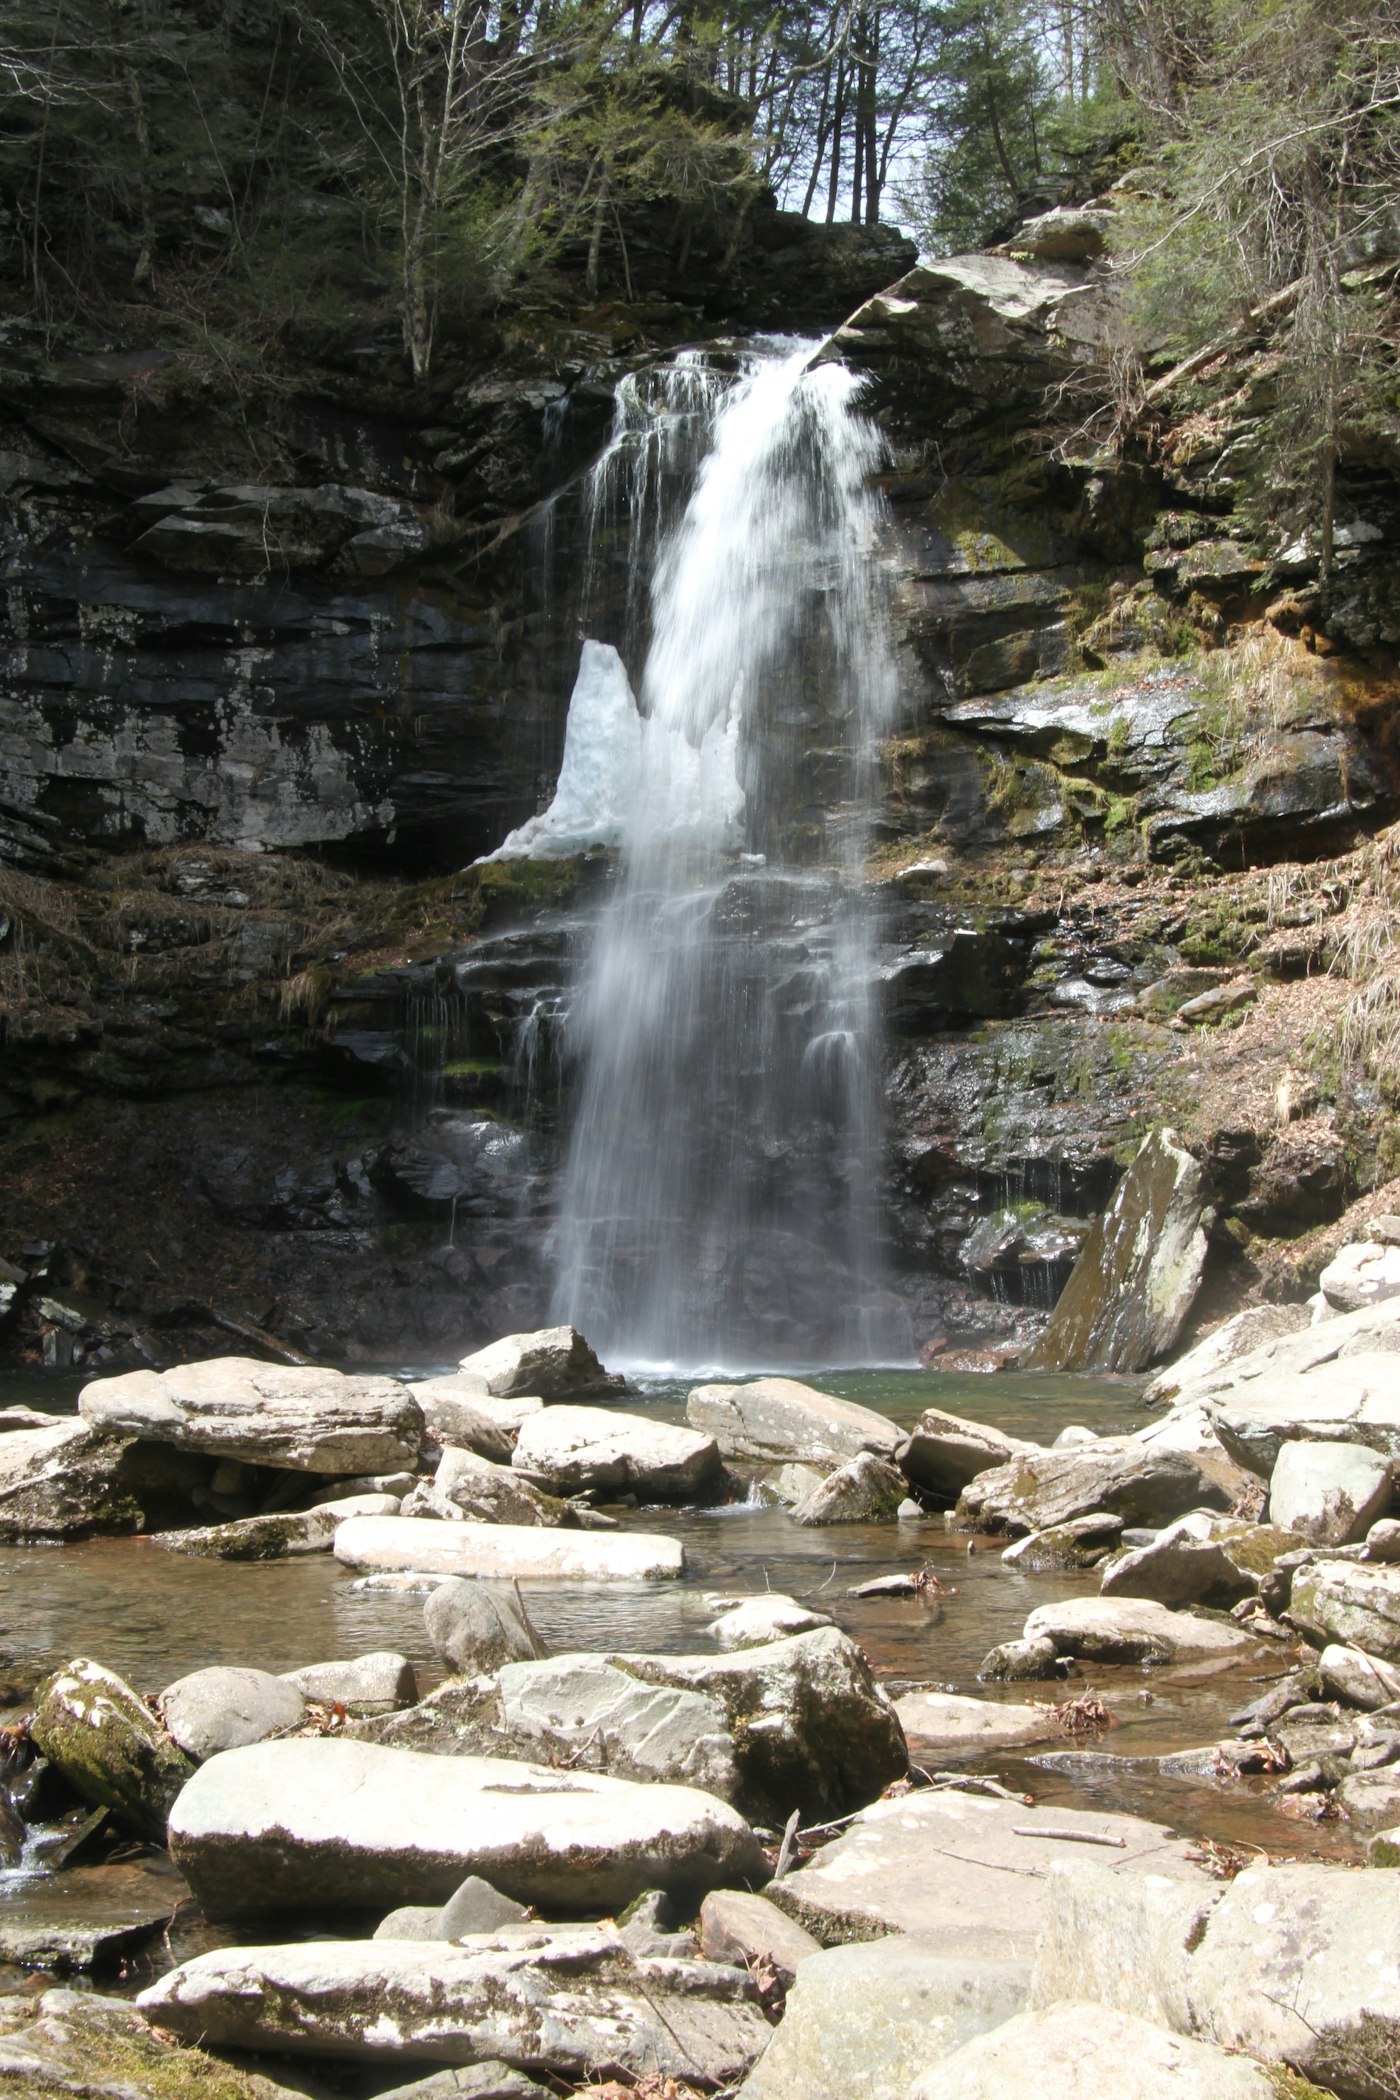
(109,1745)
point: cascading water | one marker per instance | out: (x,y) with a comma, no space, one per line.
(719,1201)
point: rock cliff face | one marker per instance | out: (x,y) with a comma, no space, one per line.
(265,689)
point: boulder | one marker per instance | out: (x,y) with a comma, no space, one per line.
(309,1419)
(494,1494)
(866,1490)
(943,1725)
(505,1550)
(1024,1662)
(459,1410)
(772,1420)
(477,1907)
(476,1626)
(570,2001)
(1081,2052)
(968,1873)
(1083,1542)
(1116,1475)
(575,1448)
(222,1708)
(1358,1679)
(1355,1400)
(1137,1275)
(811,1727)
(1204,1559)
(375,1683)
(797,1724)
(1350,1602)
(277,1535)
(752,1622)
(945,1451)
(66,1480)
(1248,1330)
(1329,1494)
(1383,1541)
(1370,1800)
(108,1745)
(1294,1963)
(594,1715)
(311,1823)
(553,1363)
(792,1483)
(743,1930)
(1374,1330)
(862,2021)
(1130,1630)
(1362,1274)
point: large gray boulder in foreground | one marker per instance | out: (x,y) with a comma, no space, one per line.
(573,1448)
(777,1419)
(505,1551)
(308,1418)
(1138,1272)
(956,1869)
(1294,1963)
(310,1823)
(1083,2052)
(571,2001)
(552,1363)
(862,2021)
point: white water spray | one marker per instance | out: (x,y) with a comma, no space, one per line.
(719,1198)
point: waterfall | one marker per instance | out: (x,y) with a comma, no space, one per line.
(719,1202)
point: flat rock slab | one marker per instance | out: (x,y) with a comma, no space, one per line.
(1296,1963)
(1248,1330)
(458,1410)
(952,1868)
(80,2045)
(574,1448)
(1082,2052)
(278,1534)
(1330,1494)
(309,1419)
(1355,1400)
(84,1917)
(944,1724)
(1130,1629)
(1117,1475)
(862,2021)
(1374,1330)
(1137,1276)
(526,1552)
(573,2002)
(310,1822)
(774,1419)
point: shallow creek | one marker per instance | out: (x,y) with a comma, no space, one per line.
(153,1615)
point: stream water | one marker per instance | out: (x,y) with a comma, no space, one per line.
(154,1615)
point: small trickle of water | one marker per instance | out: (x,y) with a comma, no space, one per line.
(719,1198)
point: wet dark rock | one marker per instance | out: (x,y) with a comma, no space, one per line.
(1081,1542)
(1137,1277)
(86,1917)
(108,1745)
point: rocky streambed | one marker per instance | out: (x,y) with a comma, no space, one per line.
(504,1731)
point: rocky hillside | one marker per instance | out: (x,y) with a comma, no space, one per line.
(277,668)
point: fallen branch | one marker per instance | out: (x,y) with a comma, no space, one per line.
(1073,1837)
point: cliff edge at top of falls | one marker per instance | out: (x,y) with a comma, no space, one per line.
(1132,847)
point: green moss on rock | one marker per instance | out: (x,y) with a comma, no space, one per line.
(108,1745)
